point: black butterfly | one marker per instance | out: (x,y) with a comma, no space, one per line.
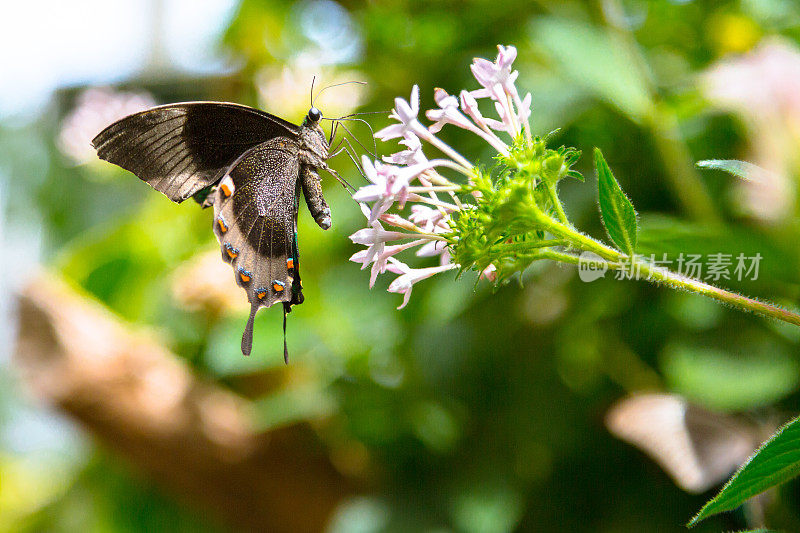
(250,166)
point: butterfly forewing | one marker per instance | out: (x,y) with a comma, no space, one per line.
(180,149)
(255,213)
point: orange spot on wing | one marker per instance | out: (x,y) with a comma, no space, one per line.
(278,288)
(290,263)
(231,254)
(244,277)
(261,294)
(222,227)
(226,190)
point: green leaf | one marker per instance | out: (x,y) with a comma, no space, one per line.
(777,461)
(740,169)
(619,217)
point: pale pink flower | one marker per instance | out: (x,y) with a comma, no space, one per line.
(496,78)
(405,282)
(448,113)
(524,111)
(389,184)
(374,238)
(489,273)
(379,262)
(405,112)
(470,107)
(426,217)
(433,196)
(412,156)
(432,249)
(396,266)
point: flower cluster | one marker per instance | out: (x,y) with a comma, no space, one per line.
(438,221)
(496,220)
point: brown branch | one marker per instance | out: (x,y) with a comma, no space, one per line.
(192,437)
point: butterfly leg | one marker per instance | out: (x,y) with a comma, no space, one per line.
(312,190)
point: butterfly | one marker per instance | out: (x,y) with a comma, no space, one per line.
(698,448)
(251,167)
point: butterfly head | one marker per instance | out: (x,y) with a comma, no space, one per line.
(314,116)
(311,135)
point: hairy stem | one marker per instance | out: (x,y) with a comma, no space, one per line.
(551,191)
(678,281)
(618,261)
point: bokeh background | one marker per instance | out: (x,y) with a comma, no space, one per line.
(126,405)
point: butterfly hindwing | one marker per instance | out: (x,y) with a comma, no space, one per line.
(255,216)
(180,149)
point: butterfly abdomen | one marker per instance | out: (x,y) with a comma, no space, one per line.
(312,190)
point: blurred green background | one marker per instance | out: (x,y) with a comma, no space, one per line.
(470,410)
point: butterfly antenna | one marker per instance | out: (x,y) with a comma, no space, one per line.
(366,113)
(337,85)
(313,79)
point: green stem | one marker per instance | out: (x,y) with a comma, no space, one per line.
(575,259)
(579,240)
(678,281)
(522,246)
(619,261)
(551,191)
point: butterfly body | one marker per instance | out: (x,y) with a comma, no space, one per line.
(250,166)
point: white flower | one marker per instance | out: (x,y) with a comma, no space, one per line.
(470,107)
(496,78)
(489,273)
(448,113)
(387,186)
(432,249)
(425,217)
(376,235)
(374,238)
(524,111)
(434,197)
(405,112)
(414,155)
(379,262)
(405,282)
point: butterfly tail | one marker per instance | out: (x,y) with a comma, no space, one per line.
(287,308)
(247,336)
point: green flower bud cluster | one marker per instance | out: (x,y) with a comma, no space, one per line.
(509,207)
